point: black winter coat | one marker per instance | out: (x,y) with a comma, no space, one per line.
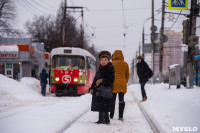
(43,76)
(106,73)
(143,71)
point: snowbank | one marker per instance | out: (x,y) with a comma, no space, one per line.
(27,89)
(170,108)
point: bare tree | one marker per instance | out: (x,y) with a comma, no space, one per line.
(43,29)
(7,15)
(47,29)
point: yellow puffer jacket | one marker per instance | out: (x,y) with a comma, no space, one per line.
(121,72)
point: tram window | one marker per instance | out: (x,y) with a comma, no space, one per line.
(68,61)
(91,64)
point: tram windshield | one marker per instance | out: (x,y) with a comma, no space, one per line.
(74,62)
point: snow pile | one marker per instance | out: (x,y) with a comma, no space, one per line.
(24,90)
(170,108)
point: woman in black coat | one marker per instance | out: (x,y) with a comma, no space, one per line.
(144,73)
(105,76)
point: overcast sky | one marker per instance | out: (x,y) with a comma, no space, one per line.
(105,20)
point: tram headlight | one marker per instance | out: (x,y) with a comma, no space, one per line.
(57,79)
(75,79)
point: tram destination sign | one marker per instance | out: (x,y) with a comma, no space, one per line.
(9,54)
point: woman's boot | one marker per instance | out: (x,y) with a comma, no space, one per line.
(101,118)
(121,110)
(107,119)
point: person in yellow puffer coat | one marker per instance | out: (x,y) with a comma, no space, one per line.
(120,82)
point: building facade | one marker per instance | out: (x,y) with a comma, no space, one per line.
(19,57)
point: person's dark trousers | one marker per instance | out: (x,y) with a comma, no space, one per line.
(143,90)
(121,100)
(43,89)
(113,105)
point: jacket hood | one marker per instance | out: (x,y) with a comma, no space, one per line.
(43,71)
(118,55)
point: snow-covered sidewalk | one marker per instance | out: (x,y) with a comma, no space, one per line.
(134,121)
(171,108)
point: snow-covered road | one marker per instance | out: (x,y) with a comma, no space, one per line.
(24,110)
(64,114)
(36,114)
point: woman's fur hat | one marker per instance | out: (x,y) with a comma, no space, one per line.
(105,53)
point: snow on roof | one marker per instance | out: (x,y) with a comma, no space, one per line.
(75,51)
(9,48)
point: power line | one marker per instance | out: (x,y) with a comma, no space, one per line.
(175,21)
(28,9)
(45,3)
(42,6)
(33,7)
(112,10)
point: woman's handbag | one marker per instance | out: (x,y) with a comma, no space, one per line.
(104,91)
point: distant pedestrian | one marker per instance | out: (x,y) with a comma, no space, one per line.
(104,77)
(144,73)
(33,74)
(120,82)
(43,81)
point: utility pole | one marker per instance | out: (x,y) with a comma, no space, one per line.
(79,9)
(161,41)
(143,43)
(82,31)
(152,35)
(191,47)
(64,25)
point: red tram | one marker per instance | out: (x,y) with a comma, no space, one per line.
(72,70)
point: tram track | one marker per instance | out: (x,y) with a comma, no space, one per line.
(69,124)
(149,120)
(153,126)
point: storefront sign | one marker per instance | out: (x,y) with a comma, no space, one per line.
(9,54)
(8,65)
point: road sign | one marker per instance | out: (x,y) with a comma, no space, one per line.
(154,28)
(147,47)
(165,38)
(178,4)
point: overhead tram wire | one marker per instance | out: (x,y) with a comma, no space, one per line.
(42,6)
(28,3)
(112,10)
(29,7)
(106,27)
(46,3)
(21,3)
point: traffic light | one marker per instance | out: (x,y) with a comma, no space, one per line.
(193,40)
(185,31)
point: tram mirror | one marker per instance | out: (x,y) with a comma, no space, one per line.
(88,66)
